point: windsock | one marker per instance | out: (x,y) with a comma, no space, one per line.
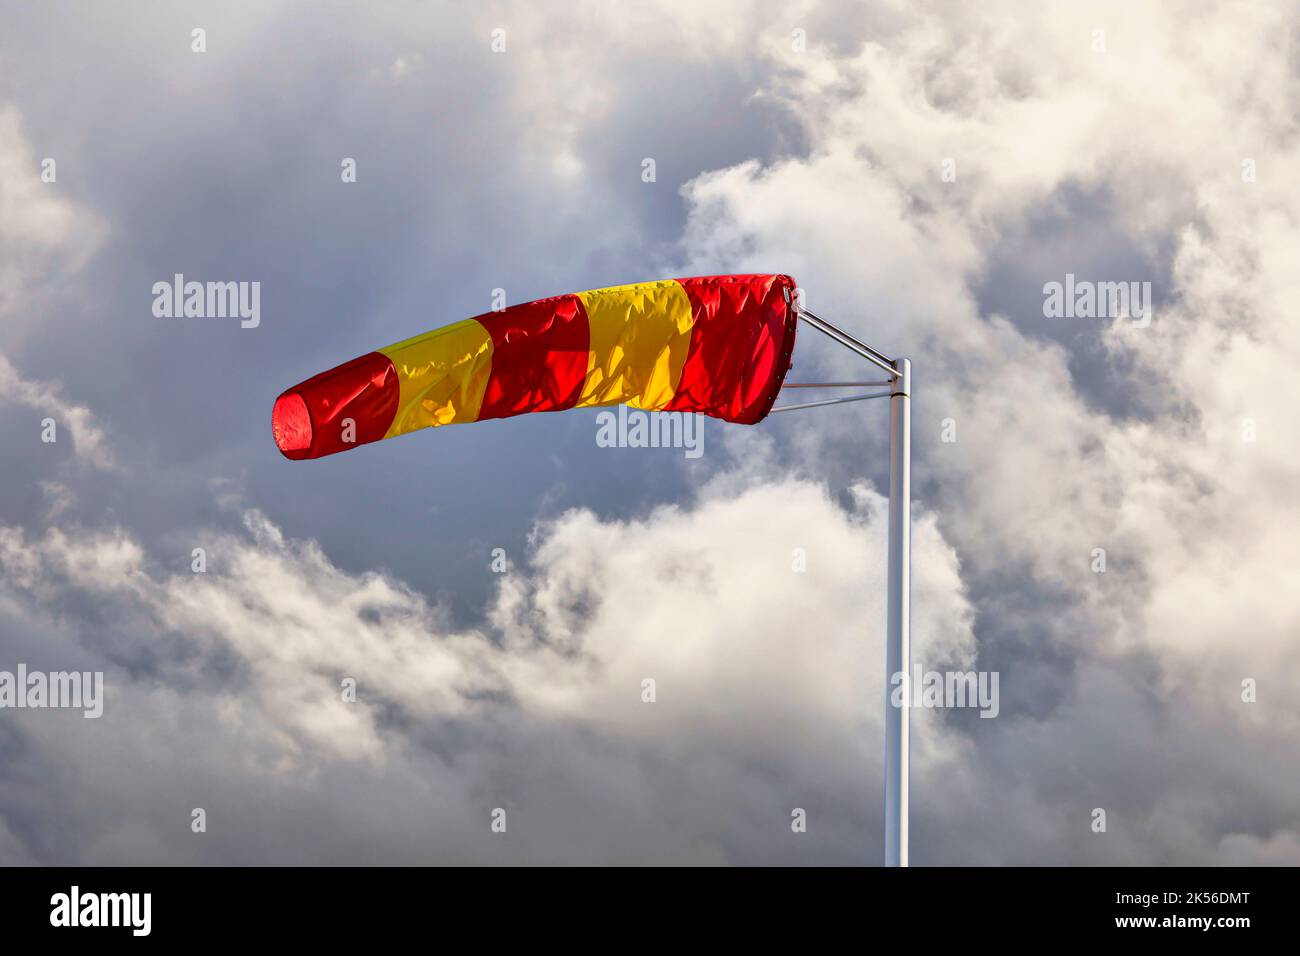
(717,345)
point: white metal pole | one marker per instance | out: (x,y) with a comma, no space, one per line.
(898,623)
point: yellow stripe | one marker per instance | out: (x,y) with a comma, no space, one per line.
(441,376)
(640,335)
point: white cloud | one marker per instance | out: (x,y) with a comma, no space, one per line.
(755,663)
(1159,122)
(40,228)
(46,398)
(1198,521)
(40,231)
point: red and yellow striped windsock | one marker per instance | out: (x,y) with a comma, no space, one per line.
(718,345)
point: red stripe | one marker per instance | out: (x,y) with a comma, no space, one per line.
(539,357)
(741,342)
(310,419)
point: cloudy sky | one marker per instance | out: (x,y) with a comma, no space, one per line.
(923,169)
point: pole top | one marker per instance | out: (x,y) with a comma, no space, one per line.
(903,384)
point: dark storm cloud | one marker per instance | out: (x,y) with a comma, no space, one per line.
(226,166)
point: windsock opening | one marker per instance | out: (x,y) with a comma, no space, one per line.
(291,423)
(335,410)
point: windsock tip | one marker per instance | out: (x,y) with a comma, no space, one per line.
(291,425)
